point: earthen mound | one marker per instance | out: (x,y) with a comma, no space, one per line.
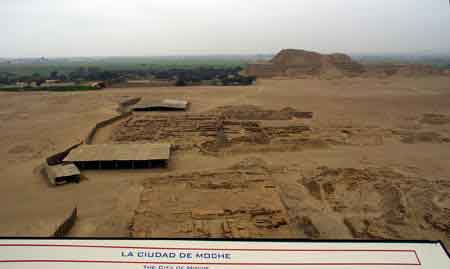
(297,63)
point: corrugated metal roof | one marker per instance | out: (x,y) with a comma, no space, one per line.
(61,170)
(175,103)
(119,152)
(166,103)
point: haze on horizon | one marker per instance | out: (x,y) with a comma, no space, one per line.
(61,28)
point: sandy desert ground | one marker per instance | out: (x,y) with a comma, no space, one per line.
(375,164)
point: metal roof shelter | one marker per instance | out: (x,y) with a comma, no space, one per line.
(166,104)
(62,173)
(126,156)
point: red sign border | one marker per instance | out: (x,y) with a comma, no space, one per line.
(212,249)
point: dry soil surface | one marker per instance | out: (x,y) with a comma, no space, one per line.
(373,163)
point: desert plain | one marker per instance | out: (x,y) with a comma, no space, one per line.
(372,163)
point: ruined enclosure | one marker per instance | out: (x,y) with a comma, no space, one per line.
(217,130)
(251,112)
(211,204)
(252,199)
(370,203)
(228,128)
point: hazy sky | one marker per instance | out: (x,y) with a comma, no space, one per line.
(55,28)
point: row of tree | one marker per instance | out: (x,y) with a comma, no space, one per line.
(183,76)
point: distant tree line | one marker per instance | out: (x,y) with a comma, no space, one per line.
(182,76)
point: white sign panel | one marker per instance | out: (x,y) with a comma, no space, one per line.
(185,254)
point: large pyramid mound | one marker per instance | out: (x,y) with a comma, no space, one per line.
(294,63)
(293,57)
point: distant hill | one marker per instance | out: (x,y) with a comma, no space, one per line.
(295,62)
